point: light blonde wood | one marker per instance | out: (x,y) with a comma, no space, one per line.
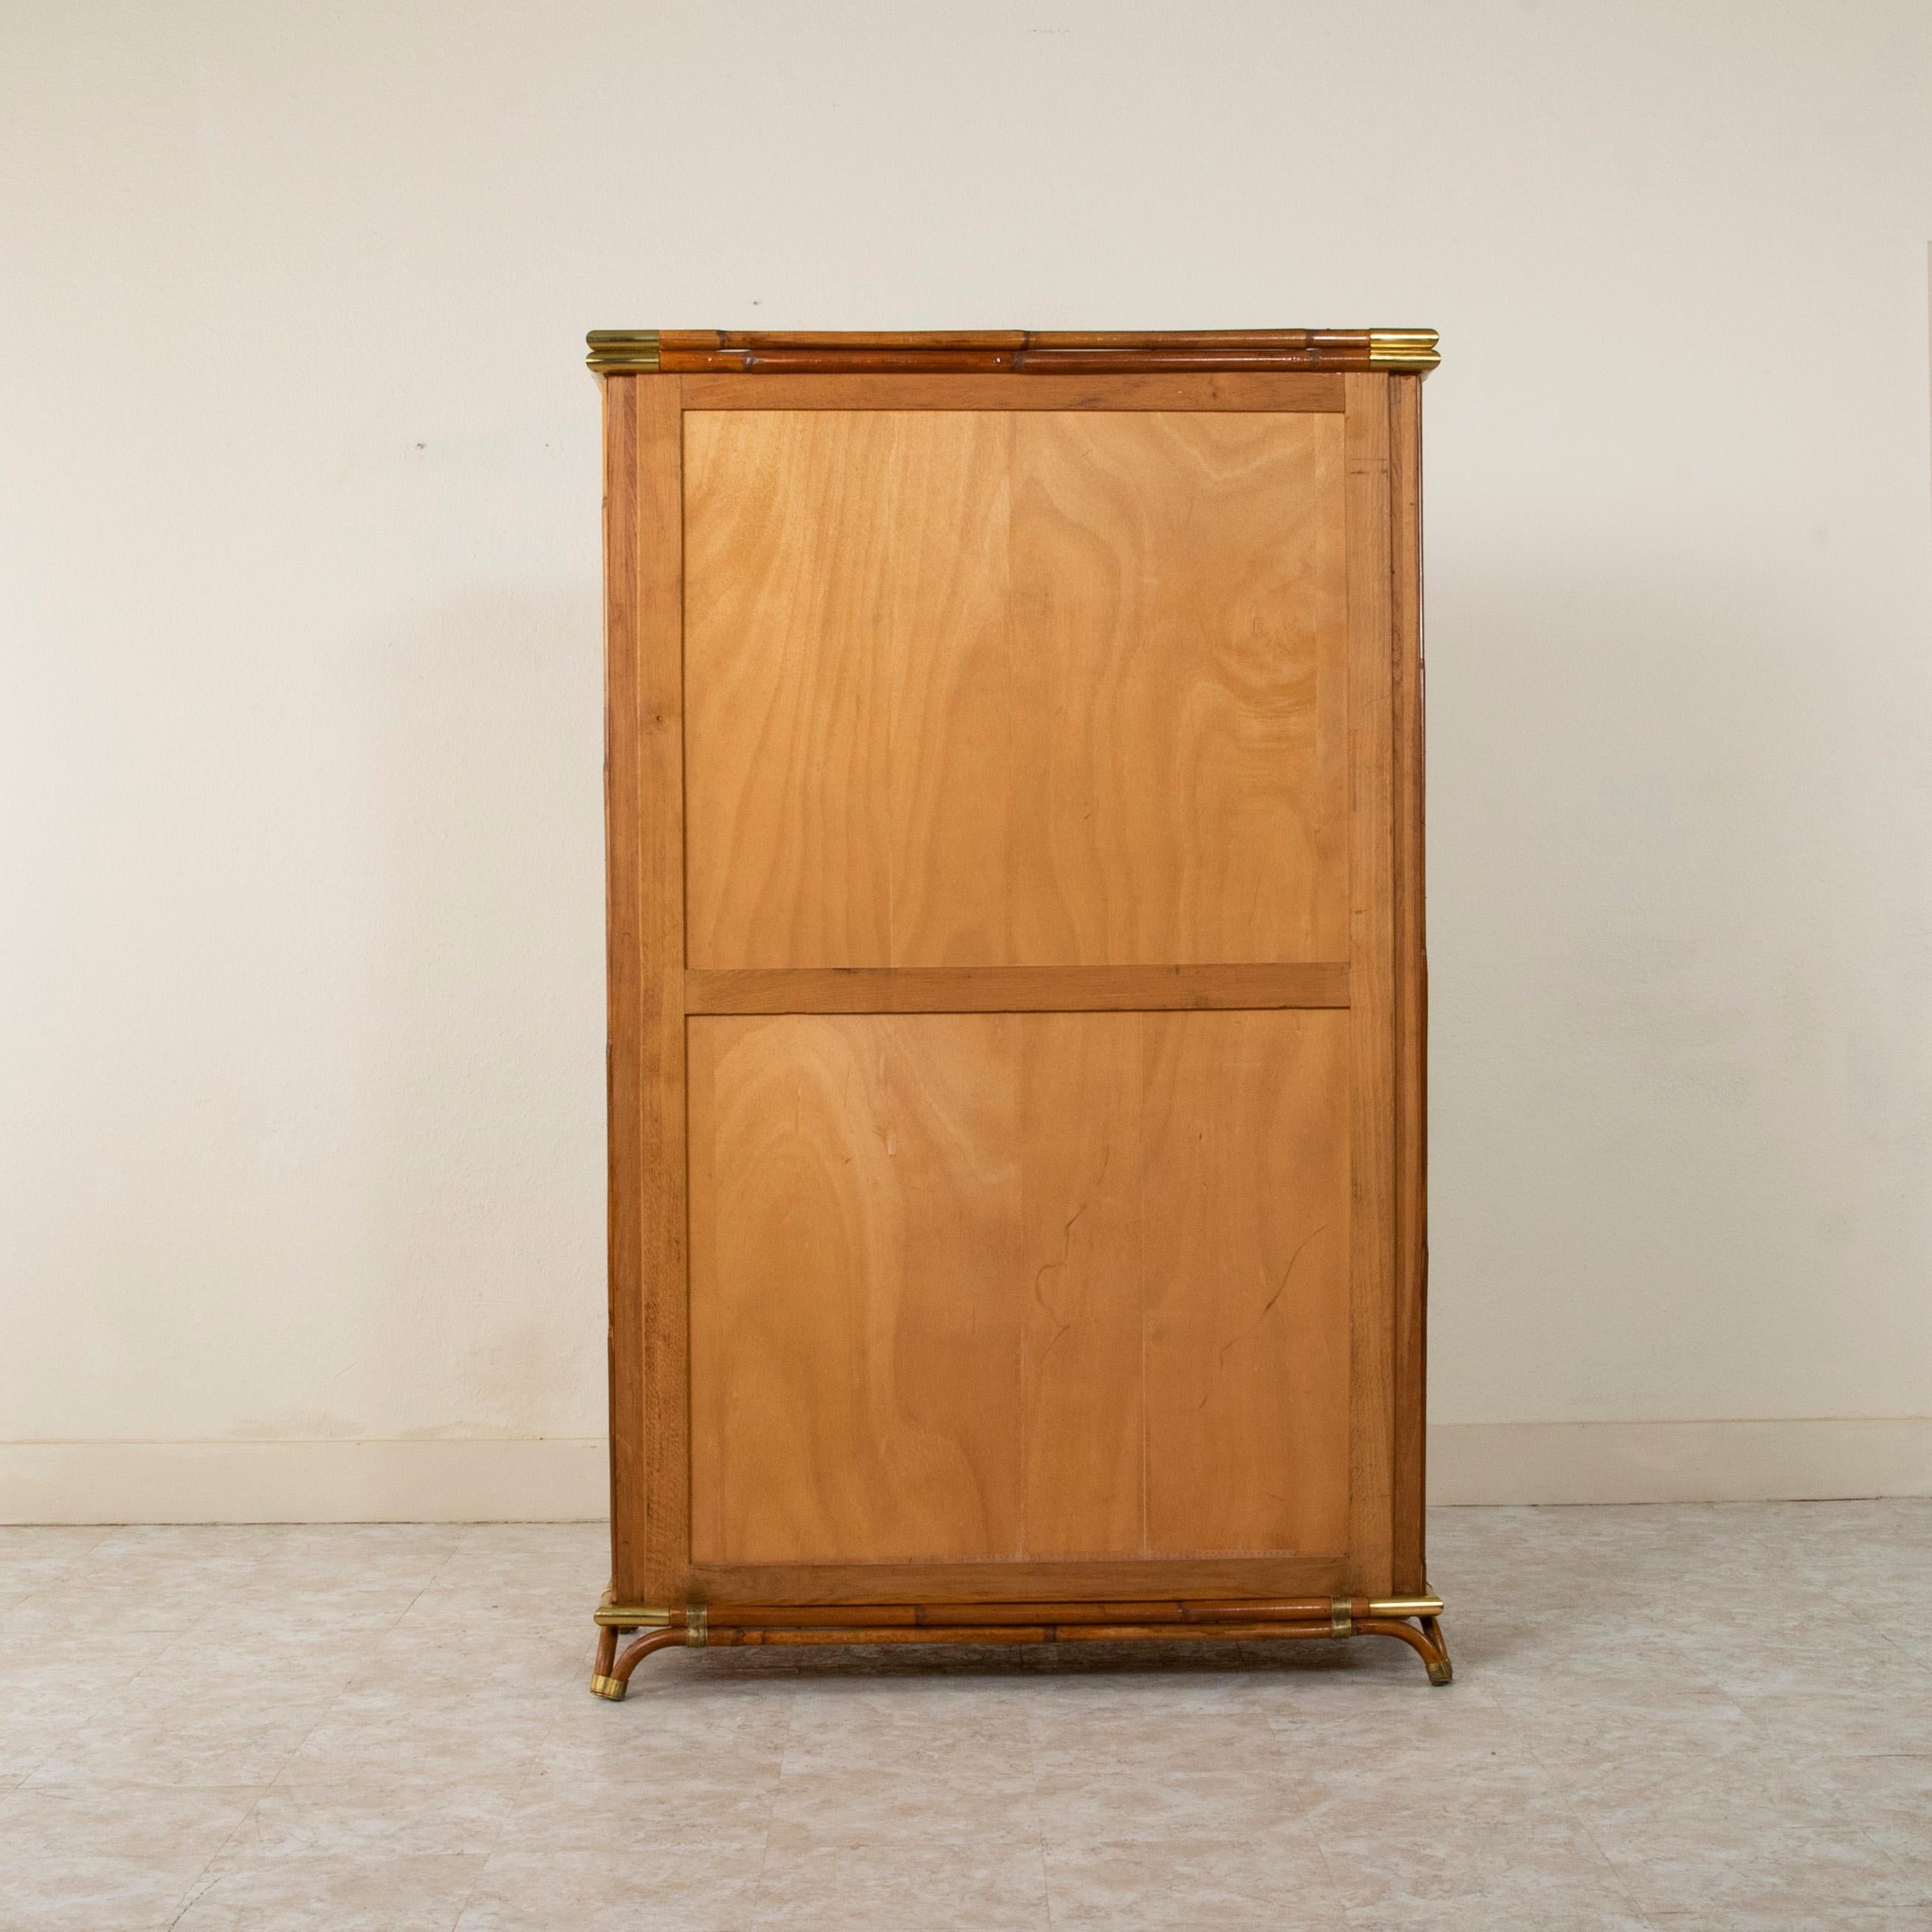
(995,1285)
(1247,1268)
(1291,392)
(1083,1399)
(970,989)
(854,1288)
(1372,986)
(833,559)
(987,723)
(1180,776)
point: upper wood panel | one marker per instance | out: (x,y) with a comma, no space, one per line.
(1042,689)
(970,1286)
(750,351)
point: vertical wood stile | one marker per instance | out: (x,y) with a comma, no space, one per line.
(1371,978)
(649,1421)
(622,1069)
(1412,982)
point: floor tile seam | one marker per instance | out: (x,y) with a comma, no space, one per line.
(1580,1823)
(199,1887)
(1036,1716)
(758,1887)
(63,1578)
(1893,1861)
(1284,1765)
(191,1896)
(1913,1650)
(533,1767)
(323,1712)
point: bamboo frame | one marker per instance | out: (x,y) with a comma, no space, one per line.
(1409,1620)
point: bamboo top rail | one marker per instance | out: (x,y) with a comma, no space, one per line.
(1008,351)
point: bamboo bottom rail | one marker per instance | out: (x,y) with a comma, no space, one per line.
(748,1625)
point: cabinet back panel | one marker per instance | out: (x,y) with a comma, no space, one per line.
(968,1286)
(1042,687)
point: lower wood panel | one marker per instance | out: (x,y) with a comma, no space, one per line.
(976,1286)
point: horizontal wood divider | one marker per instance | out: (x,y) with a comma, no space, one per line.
(1303,390)
(939,1616)
(1013,989)
(838,1589)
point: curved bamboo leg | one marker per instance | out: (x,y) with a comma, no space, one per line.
(614,1682)
(1427,1642)
(1442,1670)
(601,1681)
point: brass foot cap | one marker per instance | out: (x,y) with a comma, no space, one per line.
(1441,1673)
(612,1687)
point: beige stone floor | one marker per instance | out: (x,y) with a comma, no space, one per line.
(1669,1718)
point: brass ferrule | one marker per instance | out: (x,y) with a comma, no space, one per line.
(631,1616)
(695,1621)
(1404,1606)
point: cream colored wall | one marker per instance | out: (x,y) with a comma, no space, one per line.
(299,784)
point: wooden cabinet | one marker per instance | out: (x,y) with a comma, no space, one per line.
(1016,987)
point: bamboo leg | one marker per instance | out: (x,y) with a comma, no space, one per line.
(613,1683)
(1441,1669)
(1426,1645)
(601,1681)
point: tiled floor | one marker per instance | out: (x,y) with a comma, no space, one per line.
(1669,1717)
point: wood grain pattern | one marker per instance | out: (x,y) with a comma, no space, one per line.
(1174,1612)
(1067,690)
(661,1138)
(1180,696)
(1028,1579)
(649,1449)
(1409,1484)
(993,989)
(981,1285)
(623,1059)
(1293,391)
(1372,985)
(855,1218)
(1083,1399)
(799,654)
(1247,1268)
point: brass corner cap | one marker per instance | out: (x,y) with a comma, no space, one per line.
(1412,349)
(609,1615)
(622,351)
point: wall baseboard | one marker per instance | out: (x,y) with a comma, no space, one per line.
(553,1479)
(1678,1462)
(564,1479)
